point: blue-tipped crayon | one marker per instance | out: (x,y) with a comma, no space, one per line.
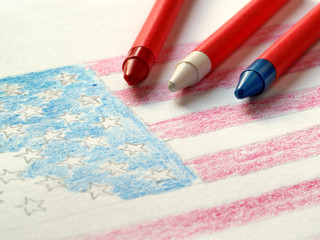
(280,56)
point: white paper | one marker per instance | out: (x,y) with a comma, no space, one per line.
(85,156)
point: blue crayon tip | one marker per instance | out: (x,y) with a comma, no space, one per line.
(250,84)
(255,79)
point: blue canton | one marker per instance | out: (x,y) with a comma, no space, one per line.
(69,128)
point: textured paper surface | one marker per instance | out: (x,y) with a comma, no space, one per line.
(84,156)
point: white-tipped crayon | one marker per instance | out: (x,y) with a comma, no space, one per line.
(216,48)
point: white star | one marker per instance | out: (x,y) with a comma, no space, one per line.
(29,155)
(8,176)
(109,122)
(115,168)
(96,190)
(30,206)
(159,176)
(66,79)
(72,162)
(10,130)
(89,100)
(12,89)
(82,116)
(50,95)
(51,183)
(132,149)
(30,111)
(70,118)
(92,142)
(53,135)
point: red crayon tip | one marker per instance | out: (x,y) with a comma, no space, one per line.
(135,70)
(137,65)
(150,40)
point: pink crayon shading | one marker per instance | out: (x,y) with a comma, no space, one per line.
(113,65)
(231,115)
(146,94)
(107,66)
(218,218)
(224,78)
(240,161)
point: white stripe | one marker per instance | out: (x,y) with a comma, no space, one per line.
(245,134)
(178,107)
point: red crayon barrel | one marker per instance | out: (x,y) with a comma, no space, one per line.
(287,49)
(238,29)
(148,44)
(223,42)
(280,56)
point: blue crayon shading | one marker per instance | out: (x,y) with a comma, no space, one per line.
(66,124)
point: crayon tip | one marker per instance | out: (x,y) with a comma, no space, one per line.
(135,70)
(250,84)
(184,76)
(239,93)
(171,86)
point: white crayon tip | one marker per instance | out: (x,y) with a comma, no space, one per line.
(189,71)
(184,76)
(171,86)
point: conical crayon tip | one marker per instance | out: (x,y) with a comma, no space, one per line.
(239,93)
(171,86)
(250,84)
(135,70)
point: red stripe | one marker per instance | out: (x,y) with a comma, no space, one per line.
(240,161)
(226,116)
(206,221)
(224,78)
(107,66)
(142,95)
(113,65)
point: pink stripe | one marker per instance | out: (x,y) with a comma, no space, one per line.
(206,221)
(107,66)
(113,65)
(224,78)
(226,116)
(240,161)
(142,95)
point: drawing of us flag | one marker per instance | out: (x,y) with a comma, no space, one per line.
(68,128)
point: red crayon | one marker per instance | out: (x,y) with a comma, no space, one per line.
(217,47)
(145,49)
(280,56)
(295,42)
